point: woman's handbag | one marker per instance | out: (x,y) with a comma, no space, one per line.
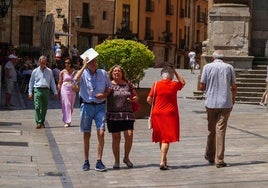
(75,85)
(136,106)
(76,88)
(150,125)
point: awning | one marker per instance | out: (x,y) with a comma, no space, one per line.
(62,33)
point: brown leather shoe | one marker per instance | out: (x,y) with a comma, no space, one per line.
(38,126)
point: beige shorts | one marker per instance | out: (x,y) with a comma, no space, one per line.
(9,86)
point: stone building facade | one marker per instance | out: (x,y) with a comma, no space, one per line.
(88,22)
(172,28)
(85,22)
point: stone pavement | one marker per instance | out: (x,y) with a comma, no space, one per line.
(53,157)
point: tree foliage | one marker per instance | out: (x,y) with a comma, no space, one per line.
(133,56)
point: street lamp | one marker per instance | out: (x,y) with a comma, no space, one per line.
(4,5)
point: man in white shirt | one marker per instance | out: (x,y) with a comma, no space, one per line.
(219,81)
(191,56)
(10,77)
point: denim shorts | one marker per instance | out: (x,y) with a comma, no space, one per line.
(88,113)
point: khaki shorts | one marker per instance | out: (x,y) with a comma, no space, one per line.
(9,86)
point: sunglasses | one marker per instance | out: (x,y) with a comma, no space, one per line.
(67,62)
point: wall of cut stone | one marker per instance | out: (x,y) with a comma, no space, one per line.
(228,29)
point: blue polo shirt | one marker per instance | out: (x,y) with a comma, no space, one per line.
(218,77)
(92,84)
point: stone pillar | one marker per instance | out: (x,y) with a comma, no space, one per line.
(228,30)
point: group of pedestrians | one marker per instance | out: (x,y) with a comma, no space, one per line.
(107,98)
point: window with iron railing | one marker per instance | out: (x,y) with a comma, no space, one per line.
(181,13)
(182,44)
(104,15)
(149,34)
(87,21)
(166,55)
(149,6)
(167,36)
(170,10)
(198,14)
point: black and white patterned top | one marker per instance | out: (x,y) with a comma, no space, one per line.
(118,108)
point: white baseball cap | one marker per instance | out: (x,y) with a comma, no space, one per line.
(12,56)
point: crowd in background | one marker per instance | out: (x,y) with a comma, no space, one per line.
(27,63)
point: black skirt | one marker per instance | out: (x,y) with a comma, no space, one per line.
(118,126)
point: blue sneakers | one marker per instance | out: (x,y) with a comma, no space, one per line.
(86,165)
(100,166)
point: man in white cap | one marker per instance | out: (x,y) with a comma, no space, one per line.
(10,77)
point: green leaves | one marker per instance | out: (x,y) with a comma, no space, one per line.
(133,56)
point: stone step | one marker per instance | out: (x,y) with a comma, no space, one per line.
(240,94)
(248,102)
(250,80)
(249,94)
(198,93)
(256,71)
(260,61)
(248,99)
(248,75)
(263,67)
(251,85)
(251,89)
(239,99)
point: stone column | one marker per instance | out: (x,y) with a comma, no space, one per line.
(228,30)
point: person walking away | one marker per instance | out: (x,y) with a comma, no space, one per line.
(56,72)
(10,78)
(120,115)
(74,53)
(68,95)
(263,101)
(94,88)
(165,112)
(58,53)
(219,82)
(41,82)
(191,56)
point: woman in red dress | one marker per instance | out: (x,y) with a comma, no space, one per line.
(165,113)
